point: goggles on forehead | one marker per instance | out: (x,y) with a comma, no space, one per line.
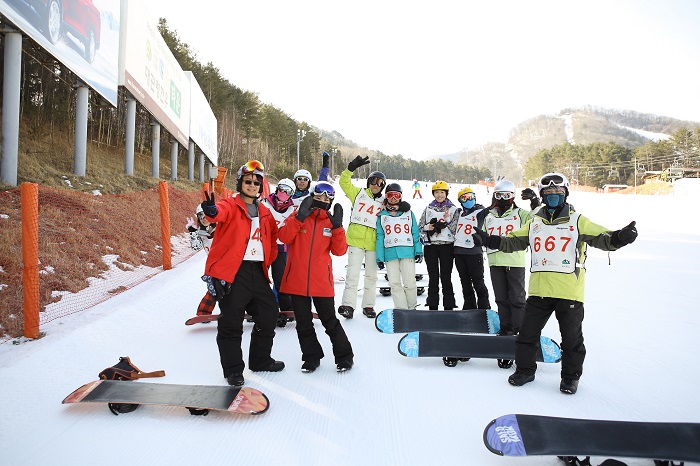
(552,180)
(466,197)
(393,195)
(504,195)
(253,165)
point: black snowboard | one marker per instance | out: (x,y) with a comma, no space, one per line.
(427,344)
(526,435)
(243,400)
(410,320)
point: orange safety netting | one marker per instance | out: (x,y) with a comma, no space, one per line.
(90,247)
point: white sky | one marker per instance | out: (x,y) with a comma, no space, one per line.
(404,77)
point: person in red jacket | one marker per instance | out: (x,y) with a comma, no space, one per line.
(313,234)
(236,274)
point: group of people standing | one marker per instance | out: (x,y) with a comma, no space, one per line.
(294,231)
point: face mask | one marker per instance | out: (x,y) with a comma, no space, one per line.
(503,204)
(321,205)
(554,200)
(468,204)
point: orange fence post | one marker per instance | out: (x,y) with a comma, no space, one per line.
(29,193)
(165,225)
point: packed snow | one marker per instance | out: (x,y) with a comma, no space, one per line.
(641,322)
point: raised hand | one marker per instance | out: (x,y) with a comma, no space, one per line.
(209,205)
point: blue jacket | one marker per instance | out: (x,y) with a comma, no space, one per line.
(397,252)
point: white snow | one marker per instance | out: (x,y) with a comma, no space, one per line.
(568,128)
(647,134)
(641,329)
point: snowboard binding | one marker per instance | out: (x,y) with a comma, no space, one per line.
(505,363)
(121,408)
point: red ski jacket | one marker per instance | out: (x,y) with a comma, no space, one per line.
(232,235)
(309,270)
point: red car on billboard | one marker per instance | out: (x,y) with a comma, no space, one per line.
(78,17)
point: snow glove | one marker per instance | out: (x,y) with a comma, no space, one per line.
(326,157)
(532,196)
(439,225)
(625,235)
(209,206)
(490,241)
(357,162)
(337,217)
(216,287)
(305,208)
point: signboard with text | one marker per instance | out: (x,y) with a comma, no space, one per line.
(203,129)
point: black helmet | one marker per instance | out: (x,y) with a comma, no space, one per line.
(393,188)
(376,175)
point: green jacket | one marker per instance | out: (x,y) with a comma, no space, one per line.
(359,236)
(503,259)
(554,284)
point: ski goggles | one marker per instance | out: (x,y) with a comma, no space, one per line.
(466,197)
(376,182)
(302,178)
(553,180)
(285,189)
(393,196)
(324,189)
(503,195)
(252,165)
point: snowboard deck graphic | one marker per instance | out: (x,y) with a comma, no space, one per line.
(410,320)
(242,400)
(203,319)
(427,344)
(526,435)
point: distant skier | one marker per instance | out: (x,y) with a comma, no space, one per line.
(416,189)
(558,236)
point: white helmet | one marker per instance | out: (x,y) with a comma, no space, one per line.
(304,173)
(553,179)
(504,186)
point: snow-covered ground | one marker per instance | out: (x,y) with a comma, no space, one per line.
(641,324)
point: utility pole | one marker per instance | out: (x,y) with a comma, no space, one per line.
(300,136)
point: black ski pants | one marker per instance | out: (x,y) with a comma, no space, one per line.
(250,292)
(278,266)
(570,316)
(311,349)
(439,259)
(471,273)
(509,291)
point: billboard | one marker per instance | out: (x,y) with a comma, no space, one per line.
(81,34)
(149,71)
(203,129)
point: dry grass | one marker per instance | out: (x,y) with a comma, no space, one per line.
(78,229)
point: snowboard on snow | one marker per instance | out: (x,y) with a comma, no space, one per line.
(386,290)
(410,320)
(203,319)
(427,344)
(526,435)
(199,399)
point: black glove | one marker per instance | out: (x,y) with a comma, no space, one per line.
(477,240)
(490,241)
(217,288)
(439,226)
(380,265)
(357,162)
(326,158)
(209,206)
(305,208)
(419,258)
(404,206)
(337,217)
(625,235)
(528,194)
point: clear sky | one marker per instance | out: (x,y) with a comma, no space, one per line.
(422,79)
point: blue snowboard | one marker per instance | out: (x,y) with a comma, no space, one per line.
(426,344)
(527,435)
(411,320)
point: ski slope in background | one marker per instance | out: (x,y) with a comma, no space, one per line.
(641,328)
